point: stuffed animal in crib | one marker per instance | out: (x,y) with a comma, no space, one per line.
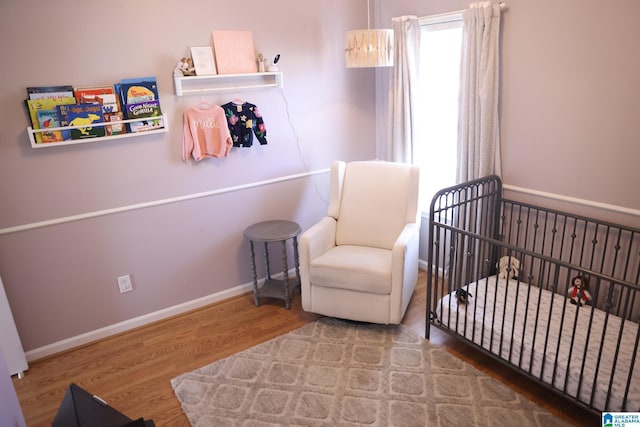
(578,292)
(508,267)
(462,296)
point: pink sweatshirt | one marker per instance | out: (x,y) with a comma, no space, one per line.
(206,133)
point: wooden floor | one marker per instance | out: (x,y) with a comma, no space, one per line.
(132,371)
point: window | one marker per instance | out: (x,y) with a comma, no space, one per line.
(436,150)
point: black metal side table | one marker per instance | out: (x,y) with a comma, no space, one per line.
(274,231)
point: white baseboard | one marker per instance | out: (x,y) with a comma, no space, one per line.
(88,337)
(136,322)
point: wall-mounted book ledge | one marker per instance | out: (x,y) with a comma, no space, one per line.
(197,85)
(163,127)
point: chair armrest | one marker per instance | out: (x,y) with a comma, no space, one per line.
(314,242)
(409,233)
(404,269)
(319,238)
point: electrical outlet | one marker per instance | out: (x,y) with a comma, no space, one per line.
(125,284)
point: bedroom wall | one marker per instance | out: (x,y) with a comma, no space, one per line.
(569,112)
(61,278)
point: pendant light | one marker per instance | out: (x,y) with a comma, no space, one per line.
(369,48)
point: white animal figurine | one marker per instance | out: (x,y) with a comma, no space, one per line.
(508,267)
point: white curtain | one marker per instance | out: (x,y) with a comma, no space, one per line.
(478,127)
(404,91)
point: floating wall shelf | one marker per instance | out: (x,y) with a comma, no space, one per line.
(197,85)
(31,132)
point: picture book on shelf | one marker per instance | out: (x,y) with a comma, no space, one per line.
(63,119)
(35,105)
(84,116)
(49,119)
(115,129)
(134,91)
(138,79)
(51,92)
(150,110)
(103,95)
(106,97)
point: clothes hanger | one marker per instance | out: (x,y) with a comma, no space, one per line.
(204,104)
(237,100)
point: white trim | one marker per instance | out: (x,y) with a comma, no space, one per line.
(146,319)
(569,199)
(443,18)
(107,331)
(80,217)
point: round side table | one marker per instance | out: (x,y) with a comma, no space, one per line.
(274,231)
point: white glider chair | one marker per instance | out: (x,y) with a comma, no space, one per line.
(360,262)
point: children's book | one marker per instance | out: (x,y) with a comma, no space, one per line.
(138,79)
(114,129)
(51,92)
(103,95)
(63,118)
(84,116)
(49,119)
(34,105)
(150,110)
(135,91)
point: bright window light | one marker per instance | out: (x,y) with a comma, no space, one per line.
(436,150)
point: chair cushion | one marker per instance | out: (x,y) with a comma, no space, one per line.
(375,200)
(358,268)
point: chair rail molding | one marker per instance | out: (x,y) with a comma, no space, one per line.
(144,205)
(570,199)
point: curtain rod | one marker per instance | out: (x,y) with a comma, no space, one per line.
(502,4)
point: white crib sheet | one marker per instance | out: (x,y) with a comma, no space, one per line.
(518,335)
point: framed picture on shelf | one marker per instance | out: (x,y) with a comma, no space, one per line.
(203,60)
(234,52)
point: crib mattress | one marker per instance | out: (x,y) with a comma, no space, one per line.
(550,332)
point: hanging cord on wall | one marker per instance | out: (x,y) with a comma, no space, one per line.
(295,135)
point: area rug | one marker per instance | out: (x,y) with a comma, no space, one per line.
(337,373)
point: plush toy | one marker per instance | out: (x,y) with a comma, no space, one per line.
(462,296)
(578,291)
(508,266)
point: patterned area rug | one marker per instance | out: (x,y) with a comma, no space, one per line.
(336,373)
